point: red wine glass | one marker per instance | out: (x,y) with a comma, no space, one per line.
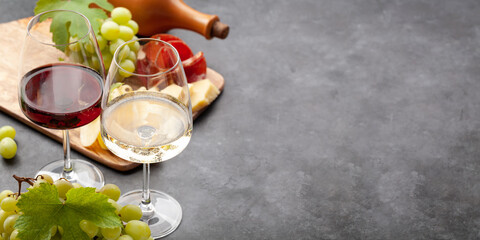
(61,84)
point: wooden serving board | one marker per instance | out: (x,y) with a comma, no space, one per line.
(11,39)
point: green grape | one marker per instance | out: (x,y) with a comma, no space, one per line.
(138,230)
(89,228)
(125,237)
(8,225)
(7,131)
(76,57)
(121,15)
(117,206)
(107,58)
(38,183)
(77,185)
(131,43)
(132,56)
(63,186)
(126,33)
(89,47)
(135,45)
(17,209)
(115,44)
(45,177)
(110,30)
(111,233)
(8,204)
(130,212)
(123,53)
(111,190)
(8,148)
(128,67)
(101,42)
(4,215)
(4,194)
(74,44)
(95,62)
(133,25)
(14,235)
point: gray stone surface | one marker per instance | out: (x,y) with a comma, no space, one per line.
(340,119)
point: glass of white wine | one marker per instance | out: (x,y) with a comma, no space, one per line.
(147,118)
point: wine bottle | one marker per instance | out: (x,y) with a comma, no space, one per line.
(157,16)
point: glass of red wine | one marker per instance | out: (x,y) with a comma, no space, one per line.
(61,84)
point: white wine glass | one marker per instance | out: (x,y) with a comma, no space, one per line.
(61,85)
(147,118)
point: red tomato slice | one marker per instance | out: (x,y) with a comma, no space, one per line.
(195,67)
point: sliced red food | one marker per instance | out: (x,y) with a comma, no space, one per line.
(166,37)
(145,67)
(160,54)
(182,48)
(195,67)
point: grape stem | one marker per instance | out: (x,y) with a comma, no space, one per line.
(20,180)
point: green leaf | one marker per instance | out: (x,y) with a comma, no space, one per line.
(63,27)
(43,210)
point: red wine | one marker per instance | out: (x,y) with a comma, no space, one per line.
(61,96)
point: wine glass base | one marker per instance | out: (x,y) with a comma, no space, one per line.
(165,212)
(83,173)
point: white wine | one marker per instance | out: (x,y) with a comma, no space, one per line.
(146,126)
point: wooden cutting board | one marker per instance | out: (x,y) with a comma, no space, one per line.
(11,40)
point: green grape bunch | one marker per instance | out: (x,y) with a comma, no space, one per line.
(63,210)
(110,32)
(115,31)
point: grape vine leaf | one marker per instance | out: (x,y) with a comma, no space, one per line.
(43,210)
(62,27)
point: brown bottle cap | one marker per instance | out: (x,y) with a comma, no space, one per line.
(220,30)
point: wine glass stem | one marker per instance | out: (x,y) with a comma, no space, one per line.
(146,184)
(146,205)
(67,163)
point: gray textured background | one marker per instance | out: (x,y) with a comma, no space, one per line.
(340,119)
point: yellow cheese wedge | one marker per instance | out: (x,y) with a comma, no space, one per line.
(175,91)
(202,93)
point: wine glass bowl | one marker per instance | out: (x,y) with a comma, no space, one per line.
(147,118)
(61,85)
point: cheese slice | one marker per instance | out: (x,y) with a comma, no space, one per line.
(202,93)
(175,91)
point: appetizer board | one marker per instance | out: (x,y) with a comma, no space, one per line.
(11,40)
